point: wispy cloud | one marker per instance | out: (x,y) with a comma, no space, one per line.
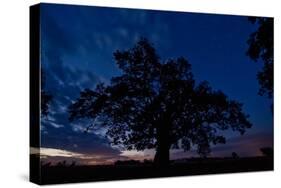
(139,155)
(55,155)
(51,152)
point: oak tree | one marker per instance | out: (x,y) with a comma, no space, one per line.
(157,104)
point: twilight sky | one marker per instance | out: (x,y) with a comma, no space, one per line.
(77,53)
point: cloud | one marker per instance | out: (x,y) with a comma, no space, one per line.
(139,155)
(55,155)
(51,152)
(56,125)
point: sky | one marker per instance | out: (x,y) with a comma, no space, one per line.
(77,45)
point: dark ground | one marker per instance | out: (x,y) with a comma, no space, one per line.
(68,174)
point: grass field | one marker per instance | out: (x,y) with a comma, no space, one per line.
(196,166)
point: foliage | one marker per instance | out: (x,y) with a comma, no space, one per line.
(261,47)
(46,98)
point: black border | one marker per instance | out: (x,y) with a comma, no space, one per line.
(34,89)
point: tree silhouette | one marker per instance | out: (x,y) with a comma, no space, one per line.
(267,151)
(261,47)
(46,98)
(234,155)
(156,104)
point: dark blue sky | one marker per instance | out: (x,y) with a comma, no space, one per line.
(77,52)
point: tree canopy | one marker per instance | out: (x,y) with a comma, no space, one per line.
(46,97)
(157,104)
(261,48)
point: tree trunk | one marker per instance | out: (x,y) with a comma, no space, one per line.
(162,155)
